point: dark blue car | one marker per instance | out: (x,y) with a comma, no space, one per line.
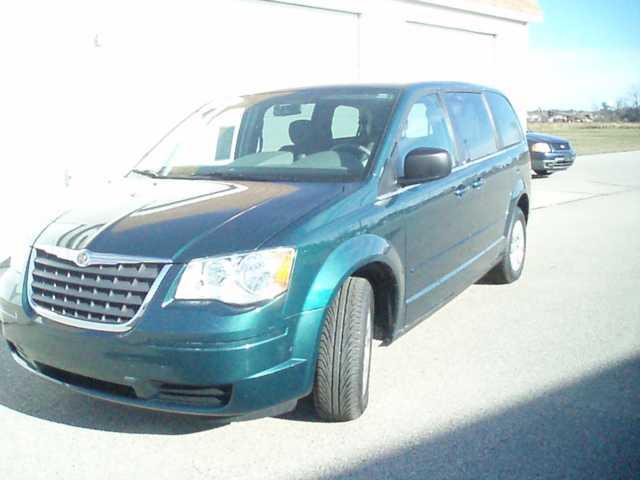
(549,153)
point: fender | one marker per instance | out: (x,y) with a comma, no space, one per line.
(349,257)
(519,189)
(343,261)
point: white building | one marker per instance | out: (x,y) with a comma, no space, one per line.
(88,86)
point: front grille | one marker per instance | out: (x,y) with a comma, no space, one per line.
(563,161)
(73,379)
(86,383)
(215,396)
(560,147)
(106,294)
(212,396)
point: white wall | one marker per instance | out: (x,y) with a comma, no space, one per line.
(88,86)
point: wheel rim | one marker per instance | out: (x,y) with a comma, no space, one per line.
(366,357)
(516,249)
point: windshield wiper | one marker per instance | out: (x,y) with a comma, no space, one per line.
(222,175)
(147,173)
(213,175)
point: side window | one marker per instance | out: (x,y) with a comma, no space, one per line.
(505,118)
(426,126)
(224,143)
(472,125)
(417,124)
(276,123)
(345,122)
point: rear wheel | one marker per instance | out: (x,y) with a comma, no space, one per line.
(341,388)
(510,267)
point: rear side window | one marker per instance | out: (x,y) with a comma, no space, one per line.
(472,124)
(505,119)
(345,122)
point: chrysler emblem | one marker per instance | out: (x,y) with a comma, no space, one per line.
(82,260)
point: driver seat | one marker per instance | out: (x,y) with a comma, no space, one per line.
(300,133)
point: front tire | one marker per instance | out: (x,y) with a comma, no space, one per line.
(543,173)
(341,388)
(510,267)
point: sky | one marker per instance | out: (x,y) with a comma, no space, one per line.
(583,53)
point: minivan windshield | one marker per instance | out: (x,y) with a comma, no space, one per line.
(310,135)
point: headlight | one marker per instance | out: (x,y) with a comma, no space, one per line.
(238,279)
(541,147)
(18,259)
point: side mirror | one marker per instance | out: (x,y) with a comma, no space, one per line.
(425,164)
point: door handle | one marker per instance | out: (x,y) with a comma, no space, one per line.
(460,190)
(478,182)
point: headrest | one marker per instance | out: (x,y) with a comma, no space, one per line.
(366,123)
(299,131)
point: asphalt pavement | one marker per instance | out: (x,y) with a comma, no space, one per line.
(539,379)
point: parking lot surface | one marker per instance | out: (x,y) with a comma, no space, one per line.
(536,379)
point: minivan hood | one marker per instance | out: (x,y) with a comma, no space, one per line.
(183,219)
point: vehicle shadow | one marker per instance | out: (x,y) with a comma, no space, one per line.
(584,430)
(28,394)
(537,175)
(304,412)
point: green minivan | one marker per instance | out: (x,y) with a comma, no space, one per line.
(254,253)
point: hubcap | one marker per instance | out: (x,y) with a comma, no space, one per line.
(516,249)
(366,360)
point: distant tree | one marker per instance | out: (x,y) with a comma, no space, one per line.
(630,114)
(629,110)
(634,96)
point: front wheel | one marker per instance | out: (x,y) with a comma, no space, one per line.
(510,267)
(341,388)
(543,173)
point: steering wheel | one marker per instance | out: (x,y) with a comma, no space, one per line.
(356,156)
(359,150)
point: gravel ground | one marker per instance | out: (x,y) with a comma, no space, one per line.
(540,379)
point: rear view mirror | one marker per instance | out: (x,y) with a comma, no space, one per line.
(286,110)
(425,164)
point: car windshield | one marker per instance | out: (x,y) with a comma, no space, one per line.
(323,135)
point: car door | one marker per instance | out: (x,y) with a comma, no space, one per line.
(504,169)
(433,212)
(487,197)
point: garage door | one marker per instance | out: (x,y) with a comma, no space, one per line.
(230,43)
(439,53)
(100,89)
(157,60)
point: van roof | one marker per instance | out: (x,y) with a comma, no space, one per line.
(404,87)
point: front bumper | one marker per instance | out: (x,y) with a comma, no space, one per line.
(553,161)
(183,358)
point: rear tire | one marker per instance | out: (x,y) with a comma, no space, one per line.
(510,267)
(341,388)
